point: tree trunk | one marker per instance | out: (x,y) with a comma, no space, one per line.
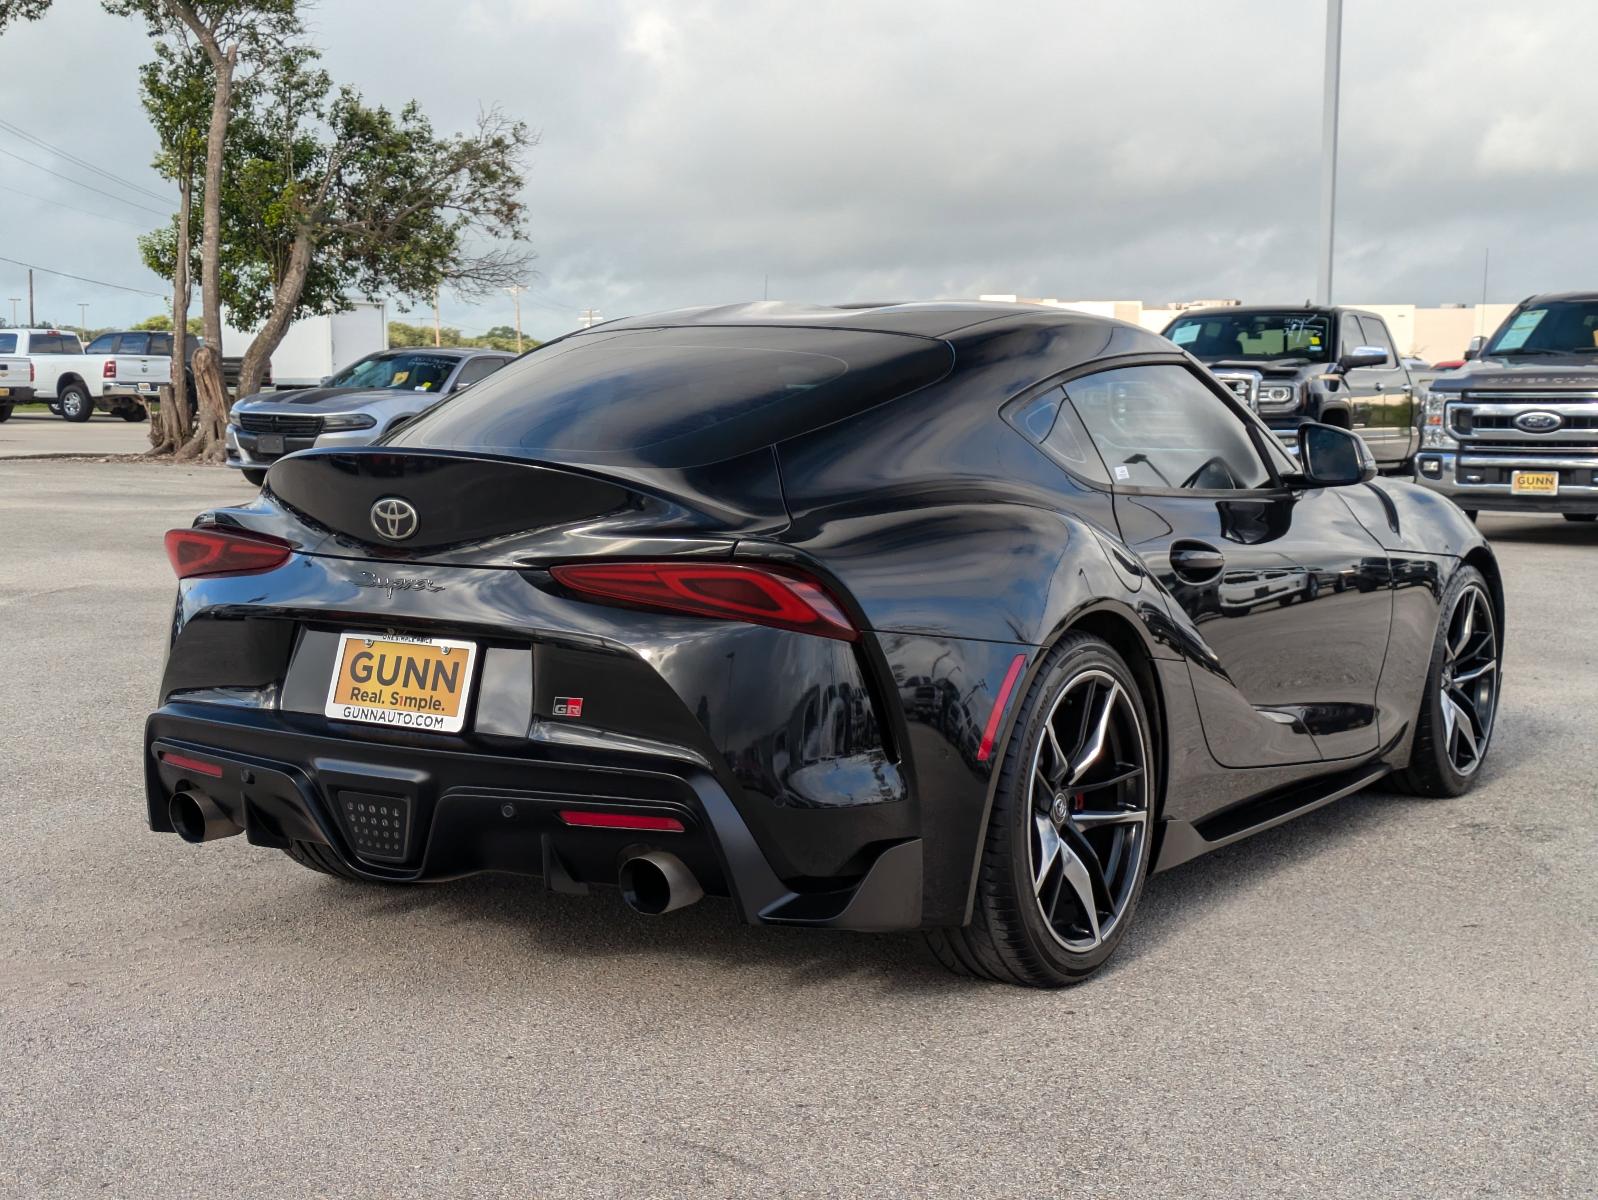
(211,230)
(284,301)
(169,421)
(208,441)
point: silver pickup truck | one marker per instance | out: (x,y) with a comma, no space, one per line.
(1516,428)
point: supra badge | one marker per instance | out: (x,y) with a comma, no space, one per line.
(395,583)
(394,519)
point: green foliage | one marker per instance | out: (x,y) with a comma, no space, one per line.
(12,11)
(162,322)
(501,337)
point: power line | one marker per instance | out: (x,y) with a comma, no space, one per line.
(81,162)
(81,184)
(121,287)
(73,207)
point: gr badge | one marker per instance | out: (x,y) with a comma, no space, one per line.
(568,706)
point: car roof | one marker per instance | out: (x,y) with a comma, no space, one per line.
(441,351)
(1330,310)
(1551,297)
(927,318)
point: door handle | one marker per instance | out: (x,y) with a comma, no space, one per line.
(1379,386)
(1196,562)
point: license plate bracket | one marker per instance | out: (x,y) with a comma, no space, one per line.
(269,443)
(402,682)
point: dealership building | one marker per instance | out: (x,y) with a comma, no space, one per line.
(1434,334)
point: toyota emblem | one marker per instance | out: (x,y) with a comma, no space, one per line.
(394,518)
(1539,422)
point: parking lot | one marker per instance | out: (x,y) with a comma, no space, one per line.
(1386,997)
(34,432)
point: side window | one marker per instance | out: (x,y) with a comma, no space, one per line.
(1049,423)
(1160,427)
(104,344)
(8,343)
(477,368)
(1375,334)
(161,343)
(1349,334)
(133,343)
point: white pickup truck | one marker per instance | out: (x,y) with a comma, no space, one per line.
(109,375)
(16,383)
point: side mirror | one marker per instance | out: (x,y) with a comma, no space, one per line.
(1333,457)
(326,379)
(1475,348)
(1363,356)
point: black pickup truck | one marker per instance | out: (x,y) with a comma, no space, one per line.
(1516,428)
(1328,364)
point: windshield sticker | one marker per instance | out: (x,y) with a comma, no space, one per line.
(1184,335)
(1520,329)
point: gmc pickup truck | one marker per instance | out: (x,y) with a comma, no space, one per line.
(1516,428)
(1294,365)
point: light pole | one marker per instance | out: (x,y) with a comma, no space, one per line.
(15,300)
(516,291)
(83,320)
(1334,55)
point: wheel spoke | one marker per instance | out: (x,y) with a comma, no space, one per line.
(1461,726)
(1131,773)
(1049,847)
(1457,646)
(1080,878)
(1476,673)
(1062,763)
(1094,818)
(1099,738)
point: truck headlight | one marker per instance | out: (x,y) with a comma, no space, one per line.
(349,421)
(1279,397)
(1434,434)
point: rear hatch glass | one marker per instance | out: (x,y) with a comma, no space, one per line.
(676,397)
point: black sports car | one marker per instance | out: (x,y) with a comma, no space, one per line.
(952,617)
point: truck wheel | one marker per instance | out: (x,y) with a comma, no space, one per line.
(136,413)
(1567,516)
(5,412)
(254,476)
(76,403)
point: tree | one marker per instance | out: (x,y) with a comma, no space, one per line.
(331,196)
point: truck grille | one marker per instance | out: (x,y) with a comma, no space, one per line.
(288,425)
(1489,421)
(1245,385)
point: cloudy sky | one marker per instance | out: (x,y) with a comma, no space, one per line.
(694,150)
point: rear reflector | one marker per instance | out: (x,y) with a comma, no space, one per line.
(758,595)
(616,820)
(985,750)
(214,551)
(184,763)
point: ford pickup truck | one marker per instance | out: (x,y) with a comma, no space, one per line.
(1515,429)
(1293,365)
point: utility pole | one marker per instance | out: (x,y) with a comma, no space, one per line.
(15,300)
(83,320)
(516,291)
(1334,56)
(31,321)
(590,317)
(438,332)
(1481,310)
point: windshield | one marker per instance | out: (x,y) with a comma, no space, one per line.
(1254,336)
(1559,327)
(407,371)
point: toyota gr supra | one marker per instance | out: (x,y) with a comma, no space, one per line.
(961,618)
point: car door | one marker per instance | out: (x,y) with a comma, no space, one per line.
(1358,384)
(1284,592)
(1393,405)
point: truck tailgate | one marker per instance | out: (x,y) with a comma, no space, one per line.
(140,373)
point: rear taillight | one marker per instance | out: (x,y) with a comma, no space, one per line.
(213,551)
(758,595)
(31,375)
(109,371)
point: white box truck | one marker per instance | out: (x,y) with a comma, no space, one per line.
(316,347)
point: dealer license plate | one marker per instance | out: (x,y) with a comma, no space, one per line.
(1534,483)
(269,443)
(5,391)
(412,683)
(151,388)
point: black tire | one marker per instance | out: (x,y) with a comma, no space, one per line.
(75,404)
(1568,516)
(5,412)
(316,857)
(1009,939)
(1432,769)
(135,414)
(255,475)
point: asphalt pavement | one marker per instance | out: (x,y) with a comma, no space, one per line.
(1388,997)
(35,432)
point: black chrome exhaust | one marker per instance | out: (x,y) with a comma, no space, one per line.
(196,818)
(657,882)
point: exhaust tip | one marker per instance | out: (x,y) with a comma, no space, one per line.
(196,818)
(657,882)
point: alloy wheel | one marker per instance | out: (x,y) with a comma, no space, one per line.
(1469,680)
(1089,810)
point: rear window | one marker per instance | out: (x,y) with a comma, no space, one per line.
(677,397)
(8,343)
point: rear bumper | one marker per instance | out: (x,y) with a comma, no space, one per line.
(18,395)
(464,812)
(1478,482)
